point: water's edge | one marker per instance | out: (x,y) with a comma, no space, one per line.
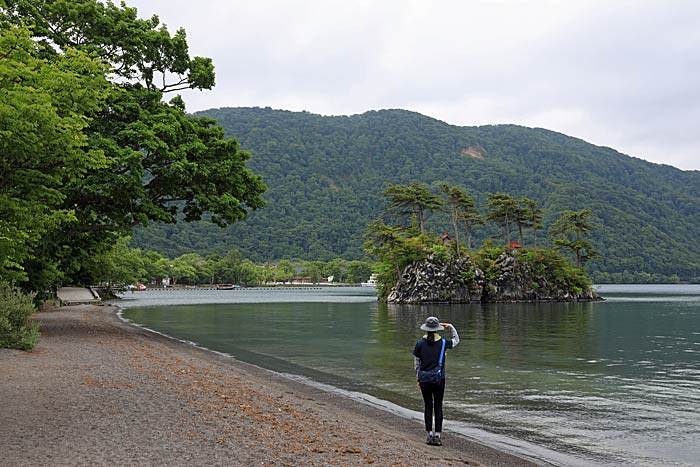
(512,446)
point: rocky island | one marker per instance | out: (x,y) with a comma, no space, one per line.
(432,280)
(416,266)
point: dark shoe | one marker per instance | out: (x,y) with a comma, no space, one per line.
(430,440)
(437,441)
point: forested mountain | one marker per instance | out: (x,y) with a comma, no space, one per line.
(326,176)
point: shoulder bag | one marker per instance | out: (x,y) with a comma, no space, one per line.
(434,375)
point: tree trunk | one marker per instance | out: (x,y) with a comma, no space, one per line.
(454,226)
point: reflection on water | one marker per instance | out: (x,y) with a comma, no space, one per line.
(615,382)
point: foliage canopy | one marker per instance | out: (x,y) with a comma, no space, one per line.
(326,176)
(541,269)
(120,155)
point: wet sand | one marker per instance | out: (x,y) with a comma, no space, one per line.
(97,391)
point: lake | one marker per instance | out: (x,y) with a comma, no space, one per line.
(606,383)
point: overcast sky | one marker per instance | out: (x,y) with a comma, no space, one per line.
(617,73)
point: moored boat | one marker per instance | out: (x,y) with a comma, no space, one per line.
(371,282)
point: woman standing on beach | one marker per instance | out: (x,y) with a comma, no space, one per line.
(429,354)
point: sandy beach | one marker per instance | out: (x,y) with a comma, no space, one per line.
(97,391)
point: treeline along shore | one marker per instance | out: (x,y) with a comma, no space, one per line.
(99,391)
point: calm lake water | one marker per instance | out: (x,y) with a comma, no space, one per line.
(609,383)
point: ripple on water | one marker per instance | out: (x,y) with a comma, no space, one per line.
(610,383)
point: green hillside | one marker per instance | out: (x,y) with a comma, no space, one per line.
(326,176)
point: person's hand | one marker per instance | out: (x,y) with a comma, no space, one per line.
(445,325)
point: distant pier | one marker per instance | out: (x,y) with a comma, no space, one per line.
(78,295)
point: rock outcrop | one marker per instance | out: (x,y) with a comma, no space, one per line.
(435,281)
(459,281)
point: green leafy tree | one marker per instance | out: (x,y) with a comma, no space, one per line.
(157,164)
(314,270)
(338,268)
(227,269)
(358,271)
(467,214)
(393,251)
(120,265)
(412,200)
(285,271)
(44,112)
(469,219)
(383,242)
(156,267)
(187,268)
(455,197)
(234,269)
(140,50)
(531,217)
(462,210)
(267,273)
(569,232)
(504,210)
(251,274)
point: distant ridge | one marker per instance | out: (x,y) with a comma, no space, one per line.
(326,176)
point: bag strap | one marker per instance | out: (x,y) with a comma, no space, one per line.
(442,352)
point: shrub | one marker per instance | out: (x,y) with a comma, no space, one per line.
(486,260)
(440,253)
(17,330)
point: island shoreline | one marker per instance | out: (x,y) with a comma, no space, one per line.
(99,390)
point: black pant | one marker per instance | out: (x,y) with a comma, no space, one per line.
(432,397)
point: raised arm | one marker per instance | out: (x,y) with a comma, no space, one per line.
(453,330)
